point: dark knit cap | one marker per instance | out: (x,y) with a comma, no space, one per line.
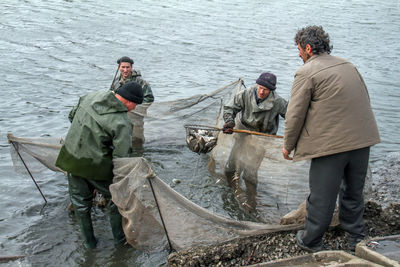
(131,91)
(268,80)
(125,59)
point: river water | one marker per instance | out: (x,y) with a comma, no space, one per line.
(54,51)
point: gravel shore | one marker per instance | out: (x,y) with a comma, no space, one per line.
(382,218)
(264,248)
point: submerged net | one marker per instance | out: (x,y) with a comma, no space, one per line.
(154,215)
(137,192)
(264,184)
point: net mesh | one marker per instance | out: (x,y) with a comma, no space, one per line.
(37,153)
(265,185)
(186,223)
(170,116)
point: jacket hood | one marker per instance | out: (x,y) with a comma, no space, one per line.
(106,102)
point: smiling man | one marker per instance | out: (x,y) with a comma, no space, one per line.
(128,74)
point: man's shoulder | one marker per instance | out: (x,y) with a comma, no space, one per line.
(319,63)
(249,90)
(96,95)
(103,102)
(245,94)
(136,73)
(277,97)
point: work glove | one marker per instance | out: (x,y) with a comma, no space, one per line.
(228,127)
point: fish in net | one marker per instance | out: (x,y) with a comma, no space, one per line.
(201,139)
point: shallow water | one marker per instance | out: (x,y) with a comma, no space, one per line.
(54,51)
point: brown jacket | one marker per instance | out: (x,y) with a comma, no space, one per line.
(329,110)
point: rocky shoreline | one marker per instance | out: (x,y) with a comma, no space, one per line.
(382,218)
(268,247)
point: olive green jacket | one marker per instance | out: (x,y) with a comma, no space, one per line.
(100,131)
(262,117)
(148,96)
(329,110)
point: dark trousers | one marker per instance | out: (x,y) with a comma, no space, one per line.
(343,174)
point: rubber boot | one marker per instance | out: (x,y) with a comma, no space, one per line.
(116,224)
(85,222)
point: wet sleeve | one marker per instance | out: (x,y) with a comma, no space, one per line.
(282,107)
(122,140)
(234,106)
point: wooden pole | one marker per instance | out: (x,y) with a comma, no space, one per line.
(112,83)
(171,249)
(256,133)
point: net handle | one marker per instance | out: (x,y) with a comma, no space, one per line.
(256,133)
(206,127)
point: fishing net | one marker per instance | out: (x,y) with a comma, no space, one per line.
(154,215)
(171,116)
(153,212)
(38,154)
(264,184)
(201,138)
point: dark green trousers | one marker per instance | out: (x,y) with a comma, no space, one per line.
(340,174)
(81,194)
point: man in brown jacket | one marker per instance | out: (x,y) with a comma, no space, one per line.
(330,121)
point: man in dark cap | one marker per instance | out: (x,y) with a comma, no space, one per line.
(100,131)
(258,108)
(128,74)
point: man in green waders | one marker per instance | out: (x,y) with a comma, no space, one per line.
(100,131)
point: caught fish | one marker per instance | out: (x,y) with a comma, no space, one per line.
(201,141)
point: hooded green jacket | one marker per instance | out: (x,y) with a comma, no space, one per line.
(100,131)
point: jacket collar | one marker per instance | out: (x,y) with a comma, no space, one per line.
(316,56)
(266,103)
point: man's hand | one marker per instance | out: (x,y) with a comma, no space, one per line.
(228,127)
(286,154)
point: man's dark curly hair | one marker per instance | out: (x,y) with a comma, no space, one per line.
(316,37)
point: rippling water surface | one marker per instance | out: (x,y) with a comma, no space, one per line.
(54,51)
